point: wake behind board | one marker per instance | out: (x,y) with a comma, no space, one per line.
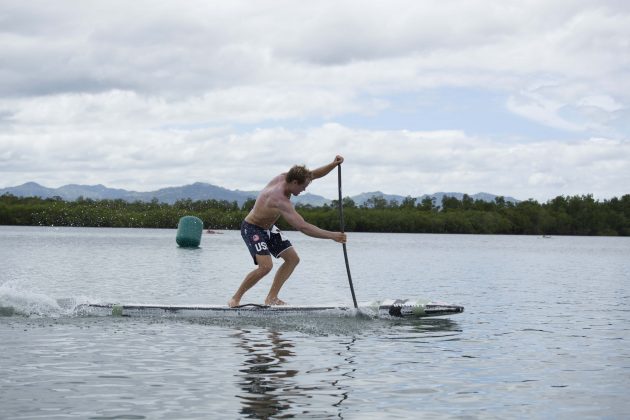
(398,308)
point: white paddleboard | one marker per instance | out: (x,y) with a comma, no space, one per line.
(391,308)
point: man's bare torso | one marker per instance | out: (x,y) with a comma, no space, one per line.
(265,211)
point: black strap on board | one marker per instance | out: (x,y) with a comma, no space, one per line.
(342,226)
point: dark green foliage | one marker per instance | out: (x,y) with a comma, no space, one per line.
(116,213)
(570,215)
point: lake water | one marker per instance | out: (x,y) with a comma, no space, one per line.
(545,333)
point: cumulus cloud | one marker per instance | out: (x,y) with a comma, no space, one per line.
(403,162)
(208,45)
(229,92)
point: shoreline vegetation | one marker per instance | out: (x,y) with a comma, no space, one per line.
(563,215)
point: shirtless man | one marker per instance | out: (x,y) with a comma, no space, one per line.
(264,239)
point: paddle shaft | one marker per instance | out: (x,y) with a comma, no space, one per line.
(342,226)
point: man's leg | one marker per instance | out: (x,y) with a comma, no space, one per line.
(291,260)
(264,267)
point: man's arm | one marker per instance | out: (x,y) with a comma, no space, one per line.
(294,219)
(325,170)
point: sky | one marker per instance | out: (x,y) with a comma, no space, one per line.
(529,99)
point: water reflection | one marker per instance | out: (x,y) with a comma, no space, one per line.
(348,374)
(264,375)
(442,327)
(271,387)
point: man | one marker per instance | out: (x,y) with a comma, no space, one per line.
(263,237)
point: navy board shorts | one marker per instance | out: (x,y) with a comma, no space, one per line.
(261,241)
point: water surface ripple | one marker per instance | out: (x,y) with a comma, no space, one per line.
(545,332)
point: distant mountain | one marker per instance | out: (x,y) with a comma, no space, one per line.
(362,198)
(30,189)
(196,191)
(312,199)
(203,191)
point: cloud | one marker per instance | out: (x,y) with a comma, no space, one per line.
(208,45)
(402,162)
(243,104)
(570,107)
(542,108)
(230,92)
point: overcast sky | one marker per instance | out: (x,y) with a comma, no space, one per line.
(529,99)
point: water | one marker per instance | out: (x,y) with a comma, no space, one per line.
(545,332)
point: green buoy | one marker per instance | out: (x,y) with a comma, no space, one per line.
(117,310)
(189,232)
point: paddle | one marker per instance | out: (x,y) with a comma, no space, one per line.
(345,251)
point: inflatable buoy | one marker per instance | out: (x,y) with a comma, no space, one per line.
(189,232)
(117,310)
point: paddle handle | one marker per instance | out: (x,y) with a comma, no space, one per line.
(342,226)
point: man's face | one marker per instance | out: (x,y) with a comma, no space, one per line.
(298,188)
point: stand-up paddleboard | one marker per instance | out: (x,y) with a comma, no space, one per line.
(398,308)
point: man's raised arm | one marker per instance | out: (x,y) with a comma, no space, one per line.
(325,170)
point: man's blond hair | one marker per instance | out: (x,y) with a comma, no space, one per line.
(300,174)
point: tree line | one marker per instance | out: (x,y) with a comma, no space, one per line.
(563,215)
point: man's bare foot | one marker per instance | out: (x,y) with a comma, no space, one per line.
(274,301)
(233,302)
